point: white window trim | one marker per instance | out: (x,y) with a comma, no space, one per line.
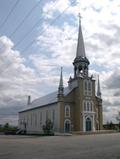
(67,107)
(88,106)
(87,92)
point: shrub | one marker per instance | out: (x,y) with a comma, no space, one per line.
(48,127)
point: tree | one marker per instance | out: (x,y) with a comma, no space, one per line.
(48,127)
(118,119)
(110,125)
(6,126)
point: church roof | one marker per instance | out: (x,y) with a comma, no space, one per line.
(45,100)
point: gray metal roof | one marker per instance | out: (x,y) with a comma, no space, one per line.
(45,100)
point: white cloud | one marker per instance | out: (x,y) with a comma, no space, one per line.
(101,30)
(60,47)
(16,80)
(53,6)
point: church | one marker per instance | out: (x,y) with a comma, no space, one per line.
(77,107)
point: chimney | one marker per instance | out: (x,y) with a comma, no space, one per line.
(29,100)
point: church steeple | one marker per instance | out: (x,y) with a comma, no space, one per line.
(80,43)
(61,87)
(80,62)
(98,89)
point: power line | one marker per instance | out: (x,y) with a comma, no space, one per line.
(28,33)
(27,15)
(24,38)
(41,32)
(9,14)
(21,40)
(9,114)
(30,44)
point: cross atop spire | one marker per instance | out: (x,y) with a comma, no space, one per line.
(98,88)
(80,45)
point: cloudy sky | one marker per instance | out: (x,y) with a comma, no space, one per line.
(38,37)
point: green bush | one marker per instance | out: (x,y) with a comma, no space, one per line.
(48,127)
(8,128)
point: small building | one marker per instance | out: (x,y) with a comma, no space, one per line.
(77,107)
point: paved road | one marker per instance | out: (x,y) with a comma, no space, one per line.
(102,146)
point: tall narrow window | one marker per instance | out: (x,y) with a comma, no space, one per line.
(87,87)
(84,106)
(31,119)
(40,118)
(27,119)
(67,111)
(53,116)
(91,106)
(46,114)
(87,106)
(35,119)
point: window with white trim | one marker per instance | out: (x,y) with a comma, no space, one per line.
(35,115)
(40,118)
(46,115)
(53,116)
(87,88)
(88,106)
(67,111)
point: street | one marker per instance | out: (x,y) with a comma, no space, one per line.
(102,146)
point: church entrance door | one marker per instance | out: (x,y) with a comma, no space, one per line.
(67,126)
(88,124)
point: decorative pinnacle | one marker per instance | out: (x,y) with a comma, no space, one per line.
(61,88)
(61,78)
(98,88)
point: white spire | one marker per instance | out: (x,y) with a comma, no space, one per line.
(61,88)
(98,89)
(80,44)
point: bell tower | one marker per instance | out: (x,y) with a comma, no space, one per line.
(81,62)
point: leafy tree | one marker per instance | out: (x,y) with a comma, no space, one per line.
(48,127)
(6,126)
(118,119)
(110,125)
(8,129)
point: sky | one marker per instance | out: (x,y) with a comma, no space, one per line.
(38,37)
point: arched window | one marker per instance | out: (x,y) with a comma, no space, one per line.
(46,115)
(91,106)
(88,105)
(40,118)
(84,105)
(53,116)
(67,111)
(87,87)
